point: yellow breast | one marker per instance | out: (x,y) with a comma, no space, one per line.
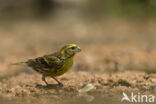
(66,66)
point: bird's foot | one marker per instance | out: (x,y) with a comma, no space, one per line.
(60,84)
(47,84)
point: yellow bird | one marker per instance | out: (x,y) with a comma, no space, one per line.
(54,64)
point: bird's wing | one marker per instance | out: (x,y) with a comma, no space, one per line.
(46,62)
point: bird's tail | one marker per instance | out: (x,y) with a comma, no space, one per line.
(20,63)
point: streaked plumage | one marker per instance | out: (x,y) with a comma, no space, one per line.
(54,64)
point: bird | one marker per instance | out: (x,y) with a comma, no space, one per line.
(55,64)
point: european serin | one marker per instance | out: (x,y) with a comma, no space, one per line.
(54,64)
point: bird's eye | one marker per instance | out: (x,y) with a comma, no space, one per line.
(73,47)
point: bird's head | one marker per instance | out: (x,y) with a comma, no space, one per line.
(69,50)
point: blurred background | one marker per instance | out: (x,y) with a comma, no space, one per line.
(117,37)
(114,35)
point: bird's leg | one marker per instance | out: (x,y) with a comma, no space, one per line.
(43,79)
(57,81)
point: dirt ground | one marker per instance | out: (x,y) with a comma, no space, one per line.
(26,84)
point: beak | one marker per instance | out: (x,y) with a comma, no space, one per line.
(78,49)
